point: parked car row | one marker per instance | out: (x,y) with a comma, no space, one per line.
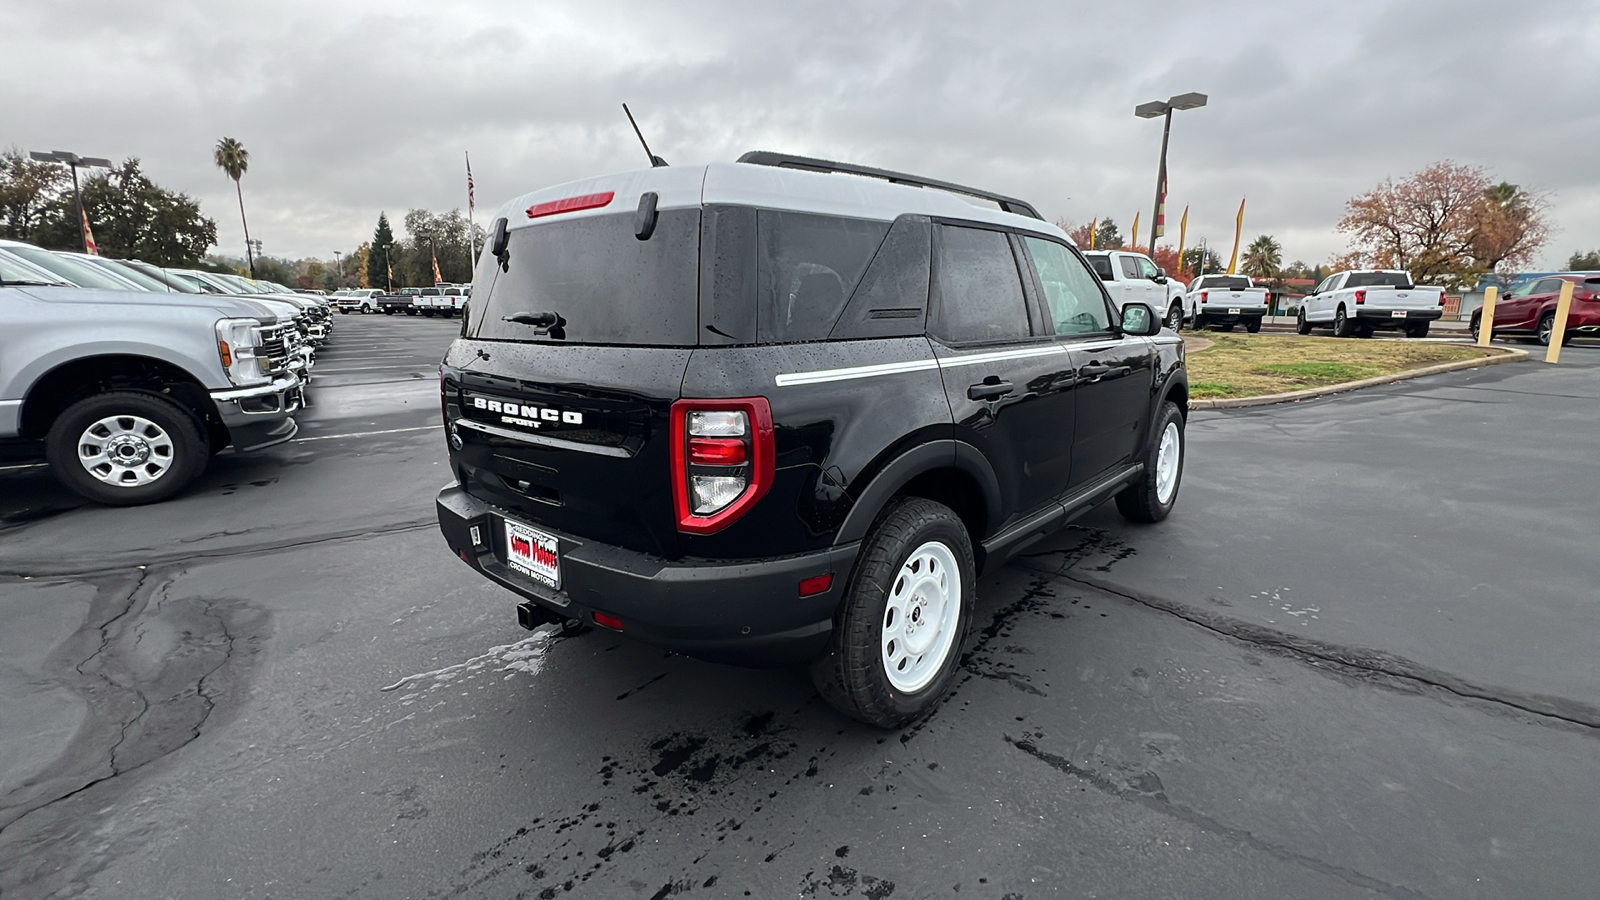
(443,299)
(127,377)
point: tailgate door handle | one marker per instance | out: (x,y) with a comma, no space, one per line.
(990,388)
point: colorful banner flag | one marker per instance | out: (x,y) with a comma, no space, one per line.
(1094,233)
(89,246)
(1183,232)
(1161,209)
(1238,231)
(1134,242)
(436,276)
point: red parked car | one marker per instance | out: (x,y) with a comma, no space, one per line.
(1529,310)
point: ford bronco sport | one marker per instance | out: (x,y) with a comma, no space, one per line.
(787,411)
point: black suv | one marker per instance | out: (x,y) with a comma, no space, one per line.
(787,410)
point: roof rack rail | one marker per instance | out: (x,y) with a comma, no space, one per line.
(810,164)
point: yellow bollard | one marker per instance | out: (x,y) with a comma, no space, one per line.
(1486,320)
(1559,331)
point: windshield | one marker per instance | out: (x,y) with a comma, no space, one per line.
(159,276)
(1379,279)
(15,270)
(78,272)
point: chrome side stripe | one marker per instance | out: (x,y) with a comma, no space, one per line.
(915,365)
(822,375)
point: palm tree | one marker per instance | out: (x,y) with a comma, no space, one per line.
(1263,258)
(233,159)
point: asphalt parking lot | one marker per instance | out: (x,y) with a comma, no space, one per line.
(1358,661)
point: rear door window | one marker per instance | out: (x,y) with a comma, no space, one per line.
(1130,267)
(1102,267)
(605,285)
(979,288)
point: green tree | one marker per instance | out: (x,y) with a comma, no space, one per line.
(1584,262)
(442,236)
(133,218)
(27,191)
(1193,257)
(381,260)
(269,268)
(1106,235)
(234,160)
(1263,258)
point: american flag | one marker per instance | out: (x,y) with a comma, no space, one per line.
(89,246)
(470,200)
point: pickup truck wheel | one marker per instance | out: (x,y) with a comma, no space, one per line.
(1175,317)
(1228,327)
(411,312)
(1150,498)
(1253,326)
(388,310)
(898,638)
(1341,325)
(123,448)
(1200,323)
(1419,330)
(1301,326)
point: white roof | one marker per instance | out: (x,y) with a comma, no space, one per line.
(769,187)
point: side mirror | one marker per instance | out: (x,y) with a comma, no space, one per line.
(1139,320)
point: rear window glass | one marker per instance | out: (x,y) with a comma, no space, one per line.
(1378,279)
(1225,284)
(806,268)
(606,285)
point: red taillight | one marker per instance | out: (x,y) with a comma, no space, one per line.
(722,460)
(1441,298)
(606,620)
(570,204)
(1202,296)
(1361,297)
(716,451)
(816,584)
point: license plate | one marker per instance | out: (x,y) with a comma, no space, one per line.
(533,553)
(1398,314)
(1234,311)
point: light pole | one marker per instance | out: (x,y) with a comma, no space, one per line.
(73,161)
(1150,111)
(338,266)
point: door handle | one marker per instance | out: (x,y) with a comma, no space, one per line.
(991,388)
(1096,371)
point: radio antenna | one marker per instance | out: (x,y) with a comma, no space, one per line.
(655,161)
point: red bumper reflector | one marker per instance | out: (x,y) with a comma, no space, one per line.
(464,557)
(570,204)
(816,584)
(608,621)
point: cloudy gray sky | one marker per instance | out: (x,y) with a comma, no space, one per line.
(349,107)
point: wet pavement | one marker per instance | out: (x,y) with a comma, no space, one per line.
(1356,662)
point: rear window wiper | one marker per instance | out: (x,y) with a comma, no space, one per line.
(543,322)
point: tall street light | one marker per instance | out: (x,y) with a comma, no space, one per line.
(1150,111)
(74,161)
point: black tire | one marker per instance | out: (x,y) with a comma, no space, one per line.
(1253,326)
(189,452)
(1342,327)
(343,311)
(1547,327)
(1363,330)
(388,310)
(1228,327)
(1200,323)
(1142,500)
(411,312)
(1419,330)
(1301,326)
(1175,317)
(1477,325)
(852,676)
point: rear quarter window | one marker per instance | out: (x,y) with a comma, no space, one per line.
(807,267)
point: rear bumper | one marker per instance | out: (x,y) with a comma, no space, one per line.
(746,613)
(1226,315)
(1380,316)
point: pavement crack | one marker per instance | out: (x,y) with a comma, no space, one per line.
(230,552)
(1350,659)
(1158,802)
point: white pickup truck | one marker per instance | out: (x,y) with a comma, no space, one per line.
(1132,276)
(443,300)
(1357,302)
(1224,301)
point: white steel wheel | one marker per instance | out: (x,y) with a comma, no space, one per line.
(125,451)
(920,617)
(1168,454)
